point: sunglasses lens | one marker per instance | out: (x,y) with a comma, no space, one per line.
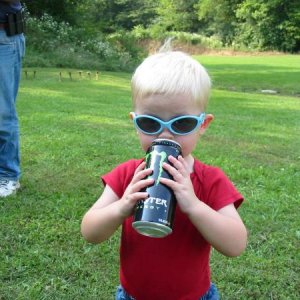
(184,125)
(148,125)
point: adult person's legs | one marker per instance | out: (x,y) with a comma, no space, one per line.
(12,50)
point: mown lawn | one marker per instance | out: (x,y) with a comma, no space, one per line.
(72,131)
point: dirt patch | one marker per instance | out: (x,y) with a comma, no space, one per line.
(153,46)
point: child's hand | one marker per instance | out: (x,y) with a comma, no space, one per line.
(132,193)
(181,183)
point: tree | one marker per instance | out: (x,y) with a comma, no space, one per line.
(257,24)
(178,15)
(219,17)
(113,15)
(269,25)
(62,10)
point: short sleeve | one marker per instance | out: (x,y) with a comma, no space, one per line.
(221,191)
(214,188)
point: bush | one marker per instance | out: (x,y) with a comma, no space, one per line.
(141,33)
(58,44)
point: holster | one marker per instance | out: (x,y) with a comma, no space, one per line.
(15,23)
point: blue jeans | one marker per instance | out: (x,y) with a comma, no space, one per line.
(12,49)
(211,294)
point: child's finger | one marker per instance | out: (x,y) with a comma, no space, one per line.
(138,186)
(172,169)
(133,198)
(179,163)
(141,175)
(168,182)
(140,167)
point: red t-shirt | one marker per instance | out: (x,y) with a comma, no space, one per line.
(175,267)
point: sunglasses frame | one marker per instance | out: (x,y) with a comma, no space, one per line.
(200,120)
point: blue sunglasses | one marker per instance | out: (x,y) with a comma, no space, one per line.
(180,125)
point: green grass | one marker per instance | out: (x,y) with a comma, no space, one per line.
(72,131)
(255,73)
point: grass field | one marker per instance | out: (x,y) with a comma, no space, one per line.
(72,131)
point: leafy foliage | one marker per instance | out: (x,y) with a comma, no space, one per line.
(57,43)
(63,10)
(112,28)
(219,18)
(269,24)
(113,15)
(177,15)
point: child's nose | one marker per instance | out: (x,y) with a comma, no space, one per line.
(166,134)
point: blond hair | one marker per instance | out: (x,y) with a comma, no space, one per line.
(171,73)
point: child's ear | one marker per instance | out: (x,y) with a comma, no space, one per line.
(208,119)
(131,115)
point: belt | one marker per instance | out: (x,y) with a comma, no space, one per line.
(3,25)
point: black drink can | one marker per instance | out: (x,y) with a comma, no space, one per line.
(154,216)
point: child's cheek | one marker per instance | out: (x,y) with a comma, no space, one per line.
(145,141)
